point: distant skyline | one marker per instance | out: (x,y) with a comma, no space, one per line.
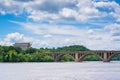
(55,23)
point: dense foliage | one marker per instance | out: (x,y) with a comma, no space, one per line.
(73,48)
(91,57)
(116,57)
(66,57)
(16,54)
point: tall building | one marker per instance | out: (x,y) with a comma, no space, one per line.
(22,45)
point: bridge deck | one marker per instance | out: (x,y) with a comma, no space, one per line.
(112,51)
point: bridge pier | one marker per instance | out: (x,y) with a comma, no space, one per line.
(105,57)
(76,57)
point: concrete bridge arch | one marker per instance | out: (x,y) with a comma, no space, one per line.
(58,56)
(113,55)
(105,56)
(82,57)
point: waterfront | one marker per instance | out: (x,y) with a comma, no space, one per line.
(61,71)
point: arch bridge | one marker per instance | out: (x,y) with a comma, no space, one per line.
(105,56)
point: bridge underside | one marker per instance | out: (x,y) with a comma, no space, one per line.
(105,56)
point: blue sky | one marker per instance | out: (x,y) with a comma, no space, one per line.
(55,23)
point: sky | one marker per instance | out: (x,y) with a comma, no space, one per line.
(55,23)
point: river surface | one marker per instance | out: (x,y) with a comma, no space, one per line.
(60,71)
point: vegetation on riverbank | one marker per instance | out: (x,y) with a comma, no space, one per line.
(16,54)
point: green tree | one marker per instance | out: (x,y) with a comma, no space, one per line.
(36,57)
(91,57)
(44,50)
(1,58)
(21,57)
(1,53)
(116,57)
(47,59)
(67,57)
(27,58)
(18,49)
(11,56)
(73,48)
(30,50)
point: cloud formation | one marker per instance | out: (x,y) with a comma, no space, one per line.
(54,36)
(15,37)
(55,10)
(64,22)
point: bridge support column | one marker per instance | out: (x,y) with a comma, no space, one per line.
(55,57)
(76,57)
(105,57)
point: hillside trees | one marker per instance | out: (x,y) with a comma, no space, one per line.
(16,54)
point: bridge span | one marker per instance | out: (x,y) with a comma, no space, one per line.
(105,56)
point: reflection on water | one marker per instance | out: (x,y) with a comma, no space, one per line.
(60,71)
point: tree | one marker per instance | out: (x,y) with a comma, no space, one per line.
(36,57)
(1,58)
(116,57)
(67,57)
(11,56)
(91,57)
(73,48)
(27,58)
(22,58)
(44,50)
(18,49)
(30,50)
(47,59)
(1,53)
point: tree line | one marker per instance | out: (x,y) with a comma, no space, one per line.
(16,54)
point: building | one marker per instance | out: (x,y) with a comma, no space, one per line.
(22,45)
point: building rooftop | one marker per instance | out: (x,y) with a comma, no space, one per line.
(22,45)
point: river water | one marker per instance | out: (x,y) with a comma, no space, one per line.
(60,71)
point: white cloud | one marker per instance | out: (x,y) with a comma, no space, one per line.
(15,37)
(114,31)
(106,4)
(66,12)
(42,16)
(47,36)
(97,40)
(10,7)
(60,9)
(52,29)
(112,8)
(1,42)
(54,36)
(113,27)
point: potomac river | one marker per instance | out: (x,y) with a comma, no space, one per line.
(61,71)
